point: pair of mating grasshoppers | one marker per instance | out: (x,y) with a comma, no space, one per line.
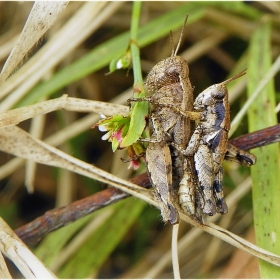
(185,162)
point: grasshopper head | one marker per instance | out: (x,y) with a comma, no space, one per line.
(167,72)
(210,96)
(215,94)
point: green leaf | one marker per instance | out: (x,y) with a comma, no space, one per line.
(92,254)
(54,242)
(266,172)
(137,123)
(237,7)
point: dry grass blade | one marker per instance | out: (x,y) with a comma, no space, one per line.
(36,130)
(41,152)
(175,259)
(15,116)
(235,241)
(41,18)
(23,258)
(242,243)
(66,133)
(87,19)
(4,272)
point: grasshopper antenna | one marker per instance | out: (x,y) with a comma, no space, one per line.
(172,43)
(174,52)
(242,73)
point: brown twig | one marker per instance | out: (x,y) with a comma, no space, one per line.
(258,138)
(34,231)
(54,219)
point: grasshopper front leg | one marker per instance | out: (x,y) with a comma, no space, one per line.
(192,115)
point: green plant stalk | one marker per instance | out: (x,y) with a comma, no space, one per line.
(139,110)
(266,171)
(135,18)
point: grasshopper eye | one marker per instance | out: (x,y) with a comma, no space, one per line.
(219,93)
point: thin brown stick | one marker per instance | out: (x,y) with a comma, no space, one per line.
(258,138)
(54,219)
(34,231)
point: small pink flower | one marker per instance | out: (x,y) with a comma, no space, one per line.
(118,135)
(135,164)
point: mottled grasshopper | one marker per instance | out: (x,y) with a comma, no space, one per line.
(209,145)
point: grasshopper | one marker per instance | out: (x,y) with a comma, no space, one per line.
(209,145)
(170,171)
(185,164)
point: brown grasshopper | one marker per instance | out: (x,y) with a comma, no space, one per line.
(159,165)
(169,83)
(209,145)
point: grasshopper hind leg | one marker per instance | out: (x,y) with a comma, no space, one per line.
(218,192)
(240,156)
(205,173)
(168,211)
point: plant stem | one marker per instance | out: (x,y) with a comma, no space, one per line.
(136,11)
(139,110)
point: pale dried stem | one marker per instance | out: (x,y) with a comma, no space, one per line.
(43,60)
(40,19)
(4,271)
(22,257)
(66,185)
(15,116)
(36,130)
(174,249)
(65,188)
(203,46)
(46,154)
(70,131)
(214,247)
